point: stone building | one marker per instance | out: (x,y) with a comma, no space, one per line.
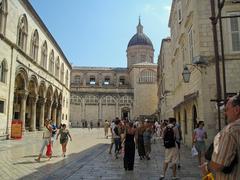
(34,72)
(103,93)
(191,48)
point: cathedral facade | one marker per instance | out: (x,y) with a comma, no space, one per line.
(34,72)
(103,93)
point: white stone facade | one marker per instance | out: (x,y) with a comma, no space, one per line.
(99,94)
(34,71)
(191,42)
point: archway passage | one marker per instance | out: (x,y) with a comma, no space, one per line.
(125,113)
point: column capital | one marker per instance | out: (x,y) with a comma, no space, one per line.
(41,100)
(23,94)
(54,104)
(33,99)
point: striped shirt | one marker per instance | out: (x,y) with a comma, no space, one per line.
(226,145)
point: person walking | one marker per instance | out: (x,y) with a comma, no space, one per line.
(106,126)
(225,159)
(147,136)
(112,126)
(64,134)
(169,139)
(116,137)
(199,136)
(139,140)
(129,147)
(47,134)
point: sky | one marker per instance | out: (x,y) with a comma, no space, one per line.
(96,32)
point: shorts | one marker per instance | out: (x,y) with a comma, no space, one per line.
(200,146)
(171,155)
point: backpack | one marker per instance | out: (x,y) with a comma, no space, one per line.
(169,138)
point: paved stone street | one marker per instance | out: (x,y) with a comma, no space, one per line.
(87,158)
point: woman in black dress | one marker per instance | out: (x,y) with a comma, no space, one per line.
(139,140)
(129,147)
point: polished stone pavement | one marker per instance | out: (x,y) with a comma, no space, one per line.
(87,158)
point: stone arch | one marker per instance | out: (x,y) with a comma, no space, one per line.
(108,100)
(33,86)
(125,113)
(48,104)
(20,95)
(21,79)
(42,89)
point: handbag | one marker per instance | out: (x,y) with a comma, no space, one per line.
(49,150)
(194,151)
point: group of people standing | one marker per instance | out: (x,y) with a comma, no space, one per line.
(128,136)
(50,133)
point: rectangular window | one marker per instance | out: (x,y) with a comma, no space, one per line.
(1,106)
(190,44)
(106,81)
(122,81)
(235,31)
(92,80)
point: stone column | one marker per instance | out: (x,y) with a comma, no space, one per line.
(33,100)
(59,114)
(49,110)
(23,108)
(42,104)
(54,112)
(100,111)
(117,109)
(84,110)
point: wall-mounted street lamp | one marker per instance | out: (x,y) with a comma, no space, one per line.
(198,63)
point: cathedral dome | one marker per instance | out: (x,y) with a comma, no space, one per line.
(140,38)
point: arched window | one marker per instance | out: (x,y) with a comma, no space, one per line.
(3,71)
(44,52)
(3,15)
(22,32)
(51,63)
(62,73)
(34,45)
(57,67)
(66,78)
(77,79)
(147,76)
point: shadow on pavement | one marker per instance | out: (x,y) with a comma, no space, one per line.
(66,167)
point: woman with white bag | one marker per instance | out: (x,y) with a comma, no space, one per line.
(199,136)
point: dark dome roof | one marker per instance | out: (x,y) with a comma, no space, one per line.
(140,39)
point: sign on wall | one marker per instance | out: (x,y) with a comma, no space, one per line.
(16,129)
